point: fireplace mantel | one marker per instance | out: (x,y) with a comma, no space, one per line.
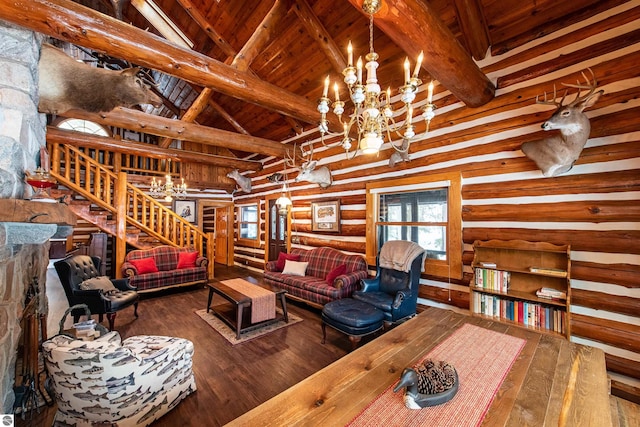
(29,222)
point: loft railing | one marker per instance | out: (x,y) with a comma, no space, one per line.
(131,207)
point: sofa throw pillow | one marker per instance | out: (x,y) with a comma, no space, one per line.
(187,259)
(282,257)
(145,265)
(338,271)
(295,268)
(101,282)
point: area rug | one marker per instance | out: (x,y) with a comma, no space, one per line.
(230,334)
(482,358)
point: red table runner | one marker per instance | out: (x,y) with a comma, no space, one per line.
(263,301)
(482,358)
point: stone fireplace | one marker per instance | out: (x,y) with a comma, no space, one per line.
(25,226)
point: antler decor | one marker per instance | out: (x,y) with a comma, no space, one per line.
(556,154)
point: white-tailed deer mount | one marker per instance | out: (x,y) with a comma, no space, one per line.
(556,154)
(64,84)
(308,171)
(243,182)
(320,176)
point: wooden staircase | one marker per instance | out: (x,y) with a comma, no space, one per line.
(118,208)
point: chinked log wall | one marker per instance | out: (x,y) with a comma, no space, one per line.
(594,207)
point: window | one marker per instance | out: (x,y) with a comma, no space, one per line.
(248,223)
(425,210)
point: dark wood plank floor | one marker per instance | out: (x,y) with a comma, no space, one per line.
(231,379)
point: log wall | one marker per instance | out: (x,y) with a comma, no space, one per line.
(594,207)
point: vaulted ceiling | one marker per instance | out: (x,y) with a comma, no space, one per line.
(293,44)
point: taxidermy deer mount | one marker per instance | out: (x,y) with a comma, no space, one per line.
(65,84)
(556,154)
(244,182)
(308,172)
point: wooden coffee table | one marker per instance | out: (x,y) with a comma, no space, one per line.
(239,302)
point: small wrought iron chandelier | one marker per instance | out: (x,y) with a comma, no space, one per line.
(373,114)
(169,190)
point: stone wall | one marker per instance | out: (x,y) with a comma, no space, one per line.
(22,133)
(22,128)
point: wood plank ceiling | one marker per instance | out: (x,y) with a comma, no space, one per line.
(294,53)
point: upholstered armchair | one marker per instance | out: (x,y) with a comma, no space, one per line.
(394,289)
(108,382)
(82,283)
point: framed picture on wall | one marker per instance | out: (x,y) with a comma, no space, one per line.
(325,216)
(186,209)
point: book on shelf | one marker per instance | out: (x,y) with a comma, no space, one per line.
(525,313)
(549,271)
(486,264)
(493,280)
(551,293)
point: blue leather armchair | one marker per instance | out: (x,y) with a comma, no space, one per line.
(392,291)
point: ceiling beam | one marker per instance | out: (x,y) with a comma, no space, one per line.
(473,26)
(80,139)
(241,61)
(191,114)
(320,35)
(207,28)
(155,125)
(263,34)
(413,26)
(80,25)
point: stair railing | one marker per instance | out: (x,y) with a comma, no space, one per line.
(131,206)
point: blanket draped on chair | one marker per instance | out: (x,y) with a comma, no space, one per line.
(399,254)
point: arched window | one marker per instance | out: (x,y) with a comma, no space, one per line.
(85,126)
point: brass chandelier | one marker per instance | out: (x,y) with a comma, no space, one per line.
(373,114)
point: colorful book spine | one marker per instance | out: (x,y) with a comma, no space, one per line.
(526,313)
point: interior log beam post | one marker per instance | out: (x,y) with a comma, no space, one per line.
(474,27)
(240,61)
(320,34)
(202,22)
(413,26)
(80,25)
(78,139)
(161,126)
(191,114)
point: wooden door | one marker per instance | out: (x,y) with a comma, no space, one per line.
(222,219)
(277,231)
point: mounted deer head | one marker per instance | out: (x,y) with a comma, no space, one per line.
(556,154)
(243,182)
(308,171)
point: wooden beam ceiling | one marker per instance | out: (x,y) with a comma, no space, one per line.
(77,24)
(161,126)
(413,26)
(474,26)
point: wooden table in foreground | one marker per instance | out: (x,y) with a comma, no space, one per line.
(532,393)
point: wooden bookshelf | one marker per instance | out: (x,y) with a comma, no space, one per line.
(506,276)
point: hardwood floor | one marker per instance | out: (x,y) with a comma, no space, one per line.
(231,379)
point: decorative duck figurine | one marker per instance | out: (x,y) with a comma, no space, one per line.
(433,383)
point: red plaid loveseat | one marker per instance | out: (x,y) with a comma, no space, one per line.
(313,288)
(168,274)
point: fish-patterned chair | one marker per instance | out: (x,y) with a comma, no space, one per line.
(112,382)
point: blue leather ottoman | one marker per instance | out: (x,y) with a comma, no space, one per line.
(352,317)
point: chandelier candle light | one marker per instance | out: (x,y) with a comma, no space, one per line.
(373,115)
(169,190)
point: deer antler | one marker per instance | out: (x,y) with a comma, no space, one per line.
(591,87)
(551,101)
